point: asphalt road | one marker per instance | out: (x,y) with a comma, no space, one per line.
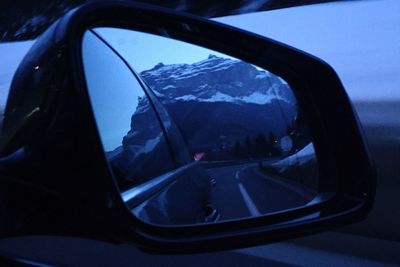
(243,191)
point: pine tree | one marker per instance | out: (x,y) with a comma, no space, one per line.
(248,147)
(260,145)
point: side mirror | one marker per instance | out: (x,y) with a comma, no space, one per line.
(132,123)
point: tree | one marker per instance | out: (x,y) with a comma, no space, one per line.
(272,145)
(237,150)
(260,145)
(248,147)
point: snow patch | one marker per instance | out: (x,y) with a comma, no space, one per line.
(238,84)
(254,98)
(158,94)
(186,98)
(149,145)
(219,97)
(258,98)
(168,87)
(185,71)
(302,157)
(263,75)
(282,80)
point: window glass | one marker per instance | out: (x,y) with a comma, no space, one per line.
(128,126)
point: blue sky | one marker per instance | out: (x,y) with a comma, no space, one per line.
(143,51)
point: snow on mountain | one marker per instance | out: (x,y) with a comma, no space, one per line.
(185,71)
(255,98)
(217,79)
(224,108)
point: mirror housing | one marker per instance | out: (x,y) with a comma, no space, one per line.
(59,168)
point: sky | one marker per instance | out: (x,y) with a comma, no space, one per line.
(114,92)
(360,39)
(144,50)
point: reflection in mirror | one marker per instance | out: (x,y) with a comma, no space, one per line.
(193,135)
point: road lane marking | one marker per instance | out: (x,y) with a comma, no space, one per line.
(237,176)
(247,199)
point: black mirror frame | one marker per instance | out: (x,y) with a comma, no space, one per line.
(341,149)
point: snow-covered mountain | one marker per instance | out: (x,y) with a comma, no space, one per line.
(219,102)
(217,79)
(224,108)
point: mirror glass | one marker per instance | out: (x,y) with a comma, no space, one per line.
(193,135)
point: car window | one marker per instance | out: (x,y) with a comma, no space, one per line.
(359,39)
(11,55)
(129,129)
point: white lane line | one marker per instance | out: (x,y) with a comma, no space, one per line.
(237,176)
(247,199)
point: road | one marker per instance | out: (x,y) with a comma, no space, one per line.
(243,191)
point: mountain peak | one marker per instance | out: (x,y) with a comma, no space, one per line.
(159,65)
(216,79)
